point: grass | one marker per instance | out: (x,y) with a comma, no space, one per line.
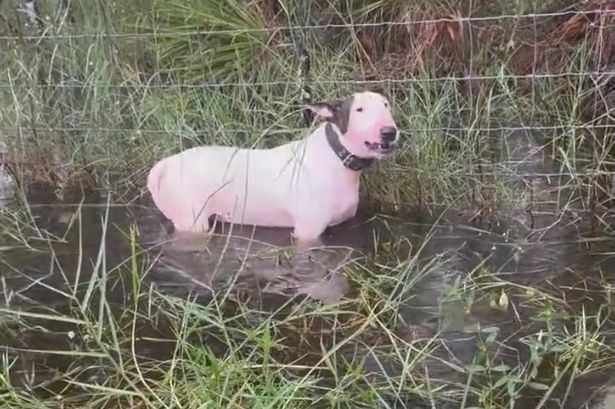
(84,324)
(110,338)
(102,110)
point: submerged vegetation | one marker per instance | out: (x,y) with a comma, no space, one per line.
(505,109)
(416,330)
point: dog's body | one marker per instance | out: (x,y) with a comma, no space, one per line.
(302,184)
(278,187)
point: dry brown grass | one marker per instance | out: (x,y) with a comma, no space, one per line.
(524,46)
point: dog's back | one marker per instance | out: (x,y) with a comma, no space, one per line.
(190,186)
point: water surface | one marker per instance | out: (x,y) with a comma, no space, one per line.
(531,253)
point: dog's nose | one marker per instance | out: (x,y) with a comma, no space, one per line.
(388,133)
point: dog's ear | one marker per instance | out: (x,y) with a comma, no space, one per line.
(324,110)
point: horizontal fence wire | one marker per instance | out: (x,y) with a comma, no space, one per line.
(323,81)
(461,19)
(42,128)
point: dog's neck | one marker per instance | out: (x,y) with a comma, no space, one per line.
(348,159)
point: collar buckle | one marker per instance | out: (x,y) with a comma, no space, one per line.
(348,159)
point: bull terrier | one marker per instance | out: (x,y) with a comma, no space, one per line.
(307,185)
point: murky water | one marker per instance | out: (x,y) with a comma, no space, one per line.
(567,261)
(535,248)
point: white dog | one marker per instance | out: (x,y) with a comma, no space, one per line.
(307,185)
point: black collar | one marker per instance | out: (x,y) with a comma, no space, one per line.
(349,160)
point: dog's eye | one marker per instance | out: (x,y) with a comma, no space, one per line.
(359,109)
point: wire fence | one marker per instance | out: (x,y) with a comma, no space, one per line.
(252,130)
(298,28)
(596,79)
(393,81)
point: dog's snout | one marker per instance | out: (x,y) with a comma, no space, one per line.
(388,133)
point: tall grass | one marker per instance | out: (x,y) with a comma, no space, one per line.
(103,107)
(110,339)
(97,101)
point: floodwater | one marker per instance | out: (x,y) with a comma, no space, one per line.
(535,248)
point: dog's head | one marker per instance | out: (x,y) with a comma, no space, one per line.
(364,121)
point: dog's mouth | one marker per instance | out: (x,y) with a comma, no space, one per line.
(381,147)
